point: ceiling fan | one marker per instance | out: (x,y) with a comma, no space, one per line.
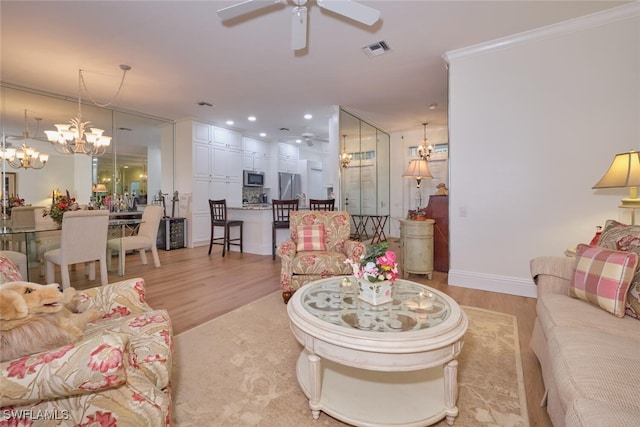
(309,138)
(347,8)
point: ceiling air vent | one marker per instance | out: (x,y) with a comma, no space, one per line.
(376,49)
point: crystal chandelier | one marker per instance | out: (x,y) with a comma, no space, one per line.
(425,149)
(24,157)
(345,158)
(74,137)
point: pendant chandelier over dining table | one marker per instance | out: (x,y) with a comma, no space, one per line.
(78,137)
(25,156)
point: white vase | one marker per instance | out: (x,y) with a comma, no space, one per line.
(374,293)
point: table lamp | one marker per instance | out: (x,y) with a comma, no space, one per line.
(624,172)
(418,169)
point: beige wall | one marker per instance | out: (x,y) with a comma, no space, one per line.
(535,120)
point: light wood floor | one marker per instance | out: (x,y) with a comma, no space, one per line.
(195,288)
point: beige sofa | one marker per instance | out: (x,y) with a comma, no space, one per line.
(117,375)
(590,359)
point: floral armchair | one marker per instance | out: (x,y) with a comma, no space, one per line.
(117,375)
(318,247)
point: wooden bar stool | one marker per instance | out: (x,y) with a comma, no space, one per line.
(322,205)
(219,218)
(281,211)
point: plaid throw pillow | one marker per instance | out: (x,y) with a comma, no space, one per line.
(603,277)
(311,238)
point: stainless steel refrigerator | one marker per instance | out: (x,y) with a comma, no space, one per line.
(289,185)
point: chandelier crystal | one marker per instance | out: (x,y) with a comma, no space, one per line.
(24,157)
(78,137)
(425,149)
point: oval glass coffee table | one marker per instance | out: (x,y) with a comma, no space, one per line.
(391,364)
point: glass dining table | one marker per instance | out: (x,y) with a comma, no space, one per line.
(34,241)
(26,240)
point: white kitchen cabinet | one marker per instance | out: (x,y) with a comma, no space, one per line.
(201,132)
(227,155)
(227,137)
(257,155)
(202,159)
(216,174)
(201,225)
(288,156)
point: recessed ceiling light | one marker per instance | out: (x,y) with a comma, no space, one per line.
(229,122)
(308,116)
(262,134)
(433,106)
(251,118)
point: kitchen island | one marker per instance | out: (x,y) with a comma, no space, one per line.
(257,227)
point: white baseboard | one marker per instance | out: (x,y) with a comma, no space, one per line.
(492,283)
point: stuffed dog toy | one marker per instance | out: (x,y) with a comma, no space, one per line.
(35,318)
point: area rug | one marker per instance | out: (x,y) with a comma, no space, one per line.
(239,370)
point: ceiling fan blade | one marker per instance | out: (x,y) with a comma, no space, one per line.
(299,28)
(352,10)
(247,6)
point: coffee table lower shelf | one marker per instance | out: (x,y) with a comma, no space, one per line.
(373,398)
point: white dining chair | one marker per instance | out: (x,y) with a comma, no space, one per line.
(45,240)
(22,217)
(83,239)
(144,240)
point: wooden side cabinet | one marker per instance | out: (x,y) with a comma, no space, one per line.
(416,242)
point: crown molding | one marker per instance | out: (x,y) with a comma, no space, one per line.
(608,16)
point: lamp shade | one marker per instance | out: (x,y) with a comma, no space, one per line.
(100,188)
(623,172)
(417,169)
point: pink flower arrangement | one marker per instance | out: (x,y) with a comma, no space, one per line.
(377,265)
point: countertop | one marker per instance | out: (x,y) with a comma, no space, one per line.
(259,207)
(254,207)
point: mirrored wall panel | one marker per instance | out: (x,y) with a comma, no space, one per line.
(138,162)
(365,179)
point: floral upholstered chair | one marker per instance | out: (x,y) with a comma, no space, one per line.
(118,374)
(318,247)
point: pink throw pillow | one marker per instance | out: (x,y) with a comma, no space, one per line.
(603,277)
(8,270)
(311,238)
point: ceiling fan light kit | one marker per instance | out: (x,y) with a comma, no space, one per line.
(349,9)
(299,27)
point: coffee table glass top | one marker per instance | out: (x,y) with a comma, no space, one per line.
(414,306)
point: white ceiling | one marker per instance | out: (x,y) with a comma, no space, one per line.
(181,53)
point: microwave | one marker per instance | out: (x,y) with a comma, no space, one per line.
(253,179)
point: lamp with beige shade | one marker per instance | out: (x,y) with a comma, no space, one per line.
(624,172)
(418,169)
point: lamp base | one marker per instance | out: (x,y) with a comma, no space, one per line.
(630,202)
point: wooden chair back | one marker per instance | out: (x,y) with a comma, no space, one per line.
(322,205)
(282,211)
(218,209)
